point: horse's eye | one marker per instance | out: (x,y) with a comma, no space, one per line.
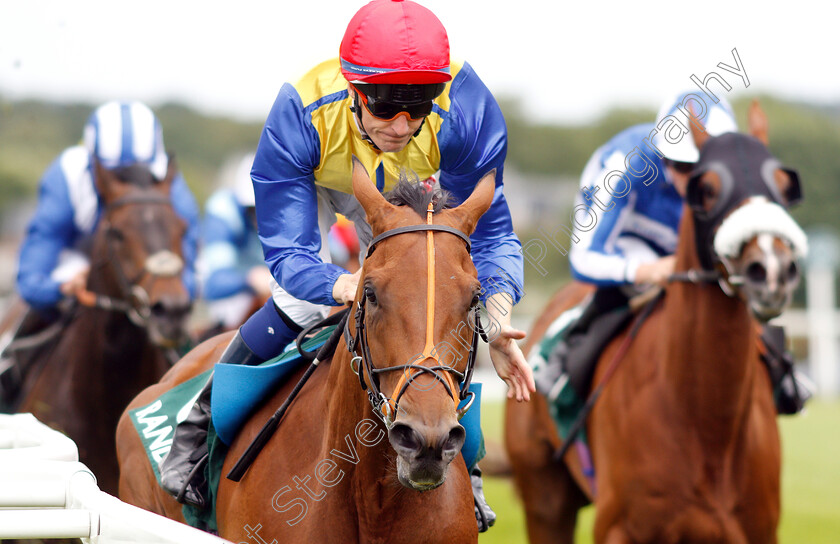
(370,295)
(475,300)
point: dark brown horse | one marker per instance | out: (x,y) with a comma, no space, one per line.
(328,474)
(135,305)
(683,438)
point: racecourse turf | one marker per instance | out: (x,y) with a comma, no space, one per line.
(810,480)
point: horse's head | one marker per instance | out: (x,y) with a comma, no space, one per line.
(417,298)
(738,194)
(137,256)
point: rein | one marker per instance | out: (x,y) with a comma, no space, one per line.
(134,300)
(358,345)
(727,283)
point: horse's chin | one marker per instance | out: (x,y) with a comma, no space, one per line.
(766,306)
(419,480)
(765,313)
(165,339)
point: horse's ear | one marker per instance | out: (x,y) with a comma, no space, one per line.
(757,121)
(366,193)
(698,134)
(478,202)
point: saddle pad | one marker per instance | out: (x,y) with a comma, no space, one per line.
(238,390)
(155,423)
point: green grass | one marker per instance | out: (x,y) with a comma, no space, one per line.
(810,481)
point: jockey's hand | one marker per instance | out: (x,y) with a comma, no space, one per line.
(259,280)
(344,289)
(511,365)
(74,285)
(656,272)
(505,353)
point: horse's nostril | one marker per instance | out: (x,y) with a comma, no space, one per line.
(405,439)
(455,439)
(158,309)
(175,310)
(793,272)
(756,273)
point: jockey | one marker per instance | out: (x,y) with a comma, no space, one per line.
(118,134)
(394,100)
(633,186)
(53,263)
(231,265)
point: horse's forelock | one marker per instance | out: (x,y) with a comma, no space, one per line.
(138,175)
(417,195)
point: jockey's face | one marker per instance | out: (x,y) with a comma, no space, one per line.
(392,135)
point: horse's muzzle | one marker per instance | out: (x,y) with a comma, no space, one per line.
(168,321)
(423,453)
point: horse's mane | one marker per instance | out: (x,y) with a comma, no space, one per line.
(138,175)
(416,195)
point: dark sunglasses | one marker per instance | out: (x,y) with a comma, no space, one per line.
(681,167)
(386,101)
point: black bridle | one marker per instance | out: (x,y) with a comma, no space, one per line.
(358,346)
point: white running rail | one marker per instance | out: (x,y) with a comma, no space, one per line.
(46,493)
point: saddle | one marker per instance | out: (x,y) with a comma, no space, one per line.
(567,357)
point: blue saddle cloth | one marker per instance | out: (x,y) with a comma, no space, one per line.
(238,390)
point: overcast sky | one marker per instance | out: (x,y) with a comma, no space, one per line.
(567,61)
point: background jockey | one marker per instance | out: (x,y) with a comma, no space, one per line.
(232,272)
(394,100)
(53,261)
(635,199)
(632,188)
(52,258)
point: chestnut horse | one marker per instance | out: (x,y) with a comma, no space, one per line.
(683,437)
(135,306)
(327,475)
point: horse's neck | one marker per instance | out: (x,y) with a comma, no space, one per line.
(111,351)
(349,416)
(709,349)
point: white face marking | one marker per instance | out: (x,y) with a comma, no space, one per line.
(771,260)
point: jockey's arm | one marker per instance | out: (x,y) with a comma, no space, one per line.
(507,357)
(186,207)
(476,144)
(287,205)
(51,230)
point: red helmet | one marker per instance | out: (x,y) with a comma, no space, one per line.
(395,41)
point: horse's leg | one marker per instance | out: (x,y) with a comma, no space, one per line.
(550,494)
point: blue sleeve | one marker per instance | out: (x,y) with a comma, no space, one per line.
(595,257)
(52,229)
(187,208)
(473,141)
(287,204)
(221,247)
